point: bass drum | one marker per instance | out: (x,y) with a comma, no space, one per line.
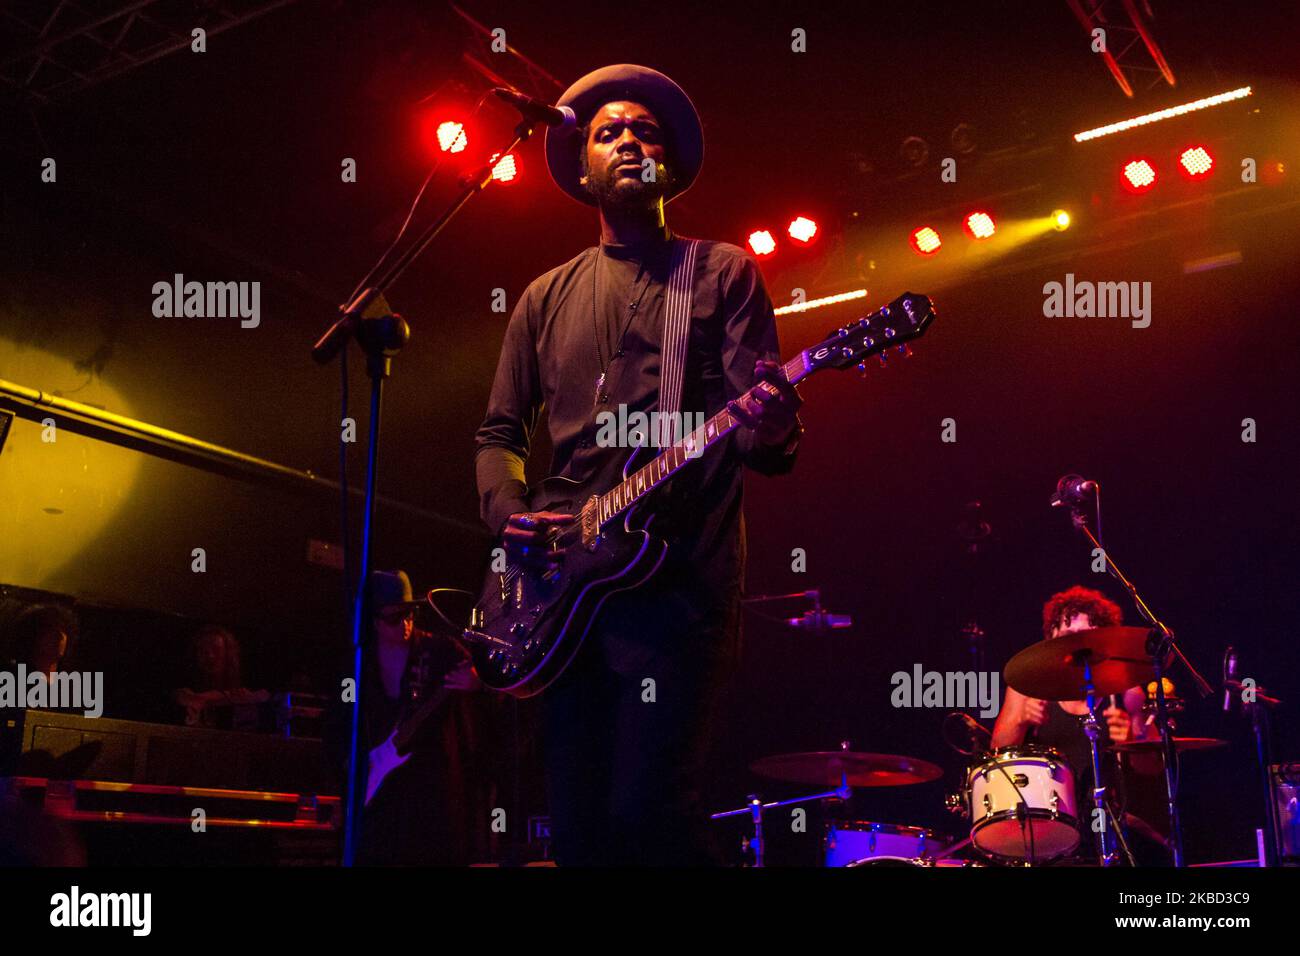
(853,841)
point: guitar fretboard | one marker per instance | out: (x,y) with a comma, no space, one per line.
(640,483)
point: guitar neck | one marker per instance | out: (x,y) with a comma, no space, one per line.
(411,725)
(694,445)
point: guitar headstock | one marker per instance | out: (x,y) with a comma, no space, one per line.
(890,326)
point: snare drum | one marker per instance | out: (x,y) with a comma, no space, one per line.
(1021,804)
(851,843)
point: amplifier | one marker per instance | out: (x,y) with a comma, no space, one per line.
(69,746)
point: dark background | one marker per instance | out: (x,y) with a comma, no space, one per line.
(225,165)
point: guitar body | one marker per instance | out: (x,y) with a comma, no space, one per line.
(544,615)
(383,760)
(534,612)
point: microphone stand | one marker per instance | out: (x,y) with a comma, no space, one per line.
(1160,645)
(381,335)
(1258,709)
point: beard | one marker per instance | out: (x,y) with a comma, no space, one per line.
(612,190)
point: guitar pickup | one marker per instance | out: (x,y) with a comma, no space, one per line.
(589,523)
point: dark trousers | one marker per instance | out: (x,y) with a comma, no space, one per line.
(625,758)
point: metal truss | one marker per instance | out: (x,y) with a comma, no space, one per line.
(51,49)
(517,72)
(1132,53)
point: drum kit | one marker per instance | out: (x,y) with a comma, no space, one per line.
(1019,802)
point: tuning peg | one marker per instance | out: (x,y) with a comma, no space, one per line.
(904,350)
(884,359)
(862,369)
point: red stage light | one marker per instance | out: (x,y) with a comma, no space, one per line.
(925,241)
(980,225)
(451,137)
(803,229)
(506,170)
(1196,161)
(762,243)
(1139,175)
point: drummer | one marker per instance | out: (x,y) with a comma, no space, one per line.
(1059,724)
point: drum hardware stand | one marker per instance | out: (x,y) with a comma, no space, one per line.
(1160,645)
(1093,730)
(1119,835)
(382,334)
(755,807)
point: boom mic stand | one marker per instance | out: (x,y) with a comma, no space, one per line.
(1160,645)
(381,335)
(1257,704)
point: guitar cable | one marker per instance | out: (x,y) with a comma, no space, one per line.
(428,599)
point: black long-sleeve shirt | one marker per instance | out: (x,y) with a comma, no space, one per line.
(563,333)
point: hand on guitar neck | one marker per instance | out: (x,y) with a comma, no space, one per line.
(398,746)
(771,409)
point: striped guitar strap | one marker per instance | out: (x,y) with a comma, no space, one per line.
(677,333)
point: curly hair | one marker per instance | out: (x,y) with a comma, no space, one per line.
(1101,610)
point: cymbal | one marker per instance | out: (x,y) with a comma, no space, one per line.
(1053,669)
(1180,744)
(824,768)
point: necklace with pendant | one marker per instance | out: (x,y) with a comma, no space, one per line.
(604,364)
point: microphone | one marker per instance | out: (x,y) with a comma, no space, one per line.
(977,736)
(819,621)
(1229,674)
(1072,490)
(976,729)
(561,117)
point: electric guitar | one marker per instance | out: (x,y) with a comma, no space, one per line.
(396,748)
(530,619)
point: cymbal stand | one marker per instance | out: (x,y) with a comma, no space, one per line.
(755,808)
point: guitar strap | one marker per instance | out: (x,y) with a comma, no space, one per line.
(678,299)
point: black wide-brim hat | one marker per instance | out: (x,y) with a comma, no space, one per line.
(391,590)
(636,84)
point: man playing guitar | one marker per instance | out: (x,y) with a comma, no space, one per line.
(626,724)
